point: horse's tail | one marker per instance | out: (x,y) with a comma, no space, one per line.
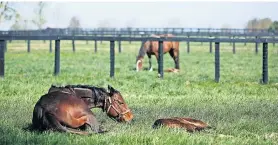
(37,118)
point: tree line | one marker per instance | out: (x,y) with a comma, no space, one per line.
(264,23)
(9,13)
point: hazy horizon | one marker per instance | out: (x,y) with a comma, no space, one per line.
(150,14)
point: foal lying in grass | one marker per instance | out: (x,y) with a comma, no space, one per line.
(189,124)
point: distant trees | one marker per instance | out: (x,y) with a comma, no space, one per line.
(7,12)
(16,26)
(273,26)
(20,25)
(131,23)
(39,19)
(225,28)
(259,23)
(104,23)
(74,22)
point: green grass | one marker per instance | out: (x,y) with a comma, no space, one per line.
(242,110)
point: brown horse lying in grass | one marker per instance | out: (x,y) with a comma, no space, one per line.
(67,109)
(151,48)
(189,124)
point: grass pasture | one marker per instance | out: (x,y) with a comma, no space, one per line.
(242,110)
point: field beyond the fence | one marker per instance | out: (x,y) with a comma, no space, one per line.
(241,110)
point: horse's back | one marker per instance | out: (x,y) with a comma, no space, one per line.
(61,105)
(192,121)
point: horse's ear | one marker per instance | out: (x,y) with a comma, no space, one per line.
(111,89)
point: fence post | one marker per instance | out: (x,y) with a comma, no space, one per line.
(95,45)
(87,42)
(5,46)
(160,59)
(112,58)
(256,45)
(217,62)
(120,48)
(28,46)
(210,47)
(129,37)
(2,58)
(234,47)
(73,45)
(188,46)
(101,36)
(57,57)
(245,42)
(273,42)
(265,63)
(50,46)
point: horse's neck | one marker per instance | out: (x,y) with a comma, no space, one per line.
(93,97)
(143,49)
(82,92)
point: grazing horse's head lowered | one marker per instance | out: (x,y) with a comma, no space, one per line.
(151,48)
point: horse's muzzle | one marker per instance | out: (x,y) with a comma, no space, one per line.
(127,117)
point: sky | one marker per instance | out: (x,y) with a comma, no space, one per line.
(184,14)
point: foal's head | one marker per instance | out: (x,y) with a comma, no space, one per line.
(116,107)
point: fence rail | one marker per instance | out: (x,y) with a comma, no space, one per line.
(119,38)
(143,31)
(119,35)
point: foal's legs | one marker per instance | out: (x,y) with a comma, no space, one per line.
(175,55)
(150,62)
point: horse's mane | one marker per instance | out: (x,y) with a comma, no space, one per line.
(99,92)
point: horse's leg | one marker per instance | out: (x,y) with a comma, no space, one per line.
(56,125)
(150,62)
(175,55)
(92,122)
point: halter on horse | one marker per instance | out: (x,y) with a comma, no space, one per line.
(69,108)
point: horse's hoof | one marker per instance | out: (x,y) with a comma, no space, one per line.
(102,131)
(151,69)
(159,75)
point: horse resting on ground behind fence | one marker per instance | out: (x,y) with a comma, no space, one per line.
(151,48)
(67,109)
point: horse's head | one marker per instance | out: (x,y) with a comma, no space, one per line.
(116,107)
(139,63)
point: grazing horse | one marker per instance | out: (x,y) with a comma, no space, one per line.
(189,124)
(151,48)
(67,109)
